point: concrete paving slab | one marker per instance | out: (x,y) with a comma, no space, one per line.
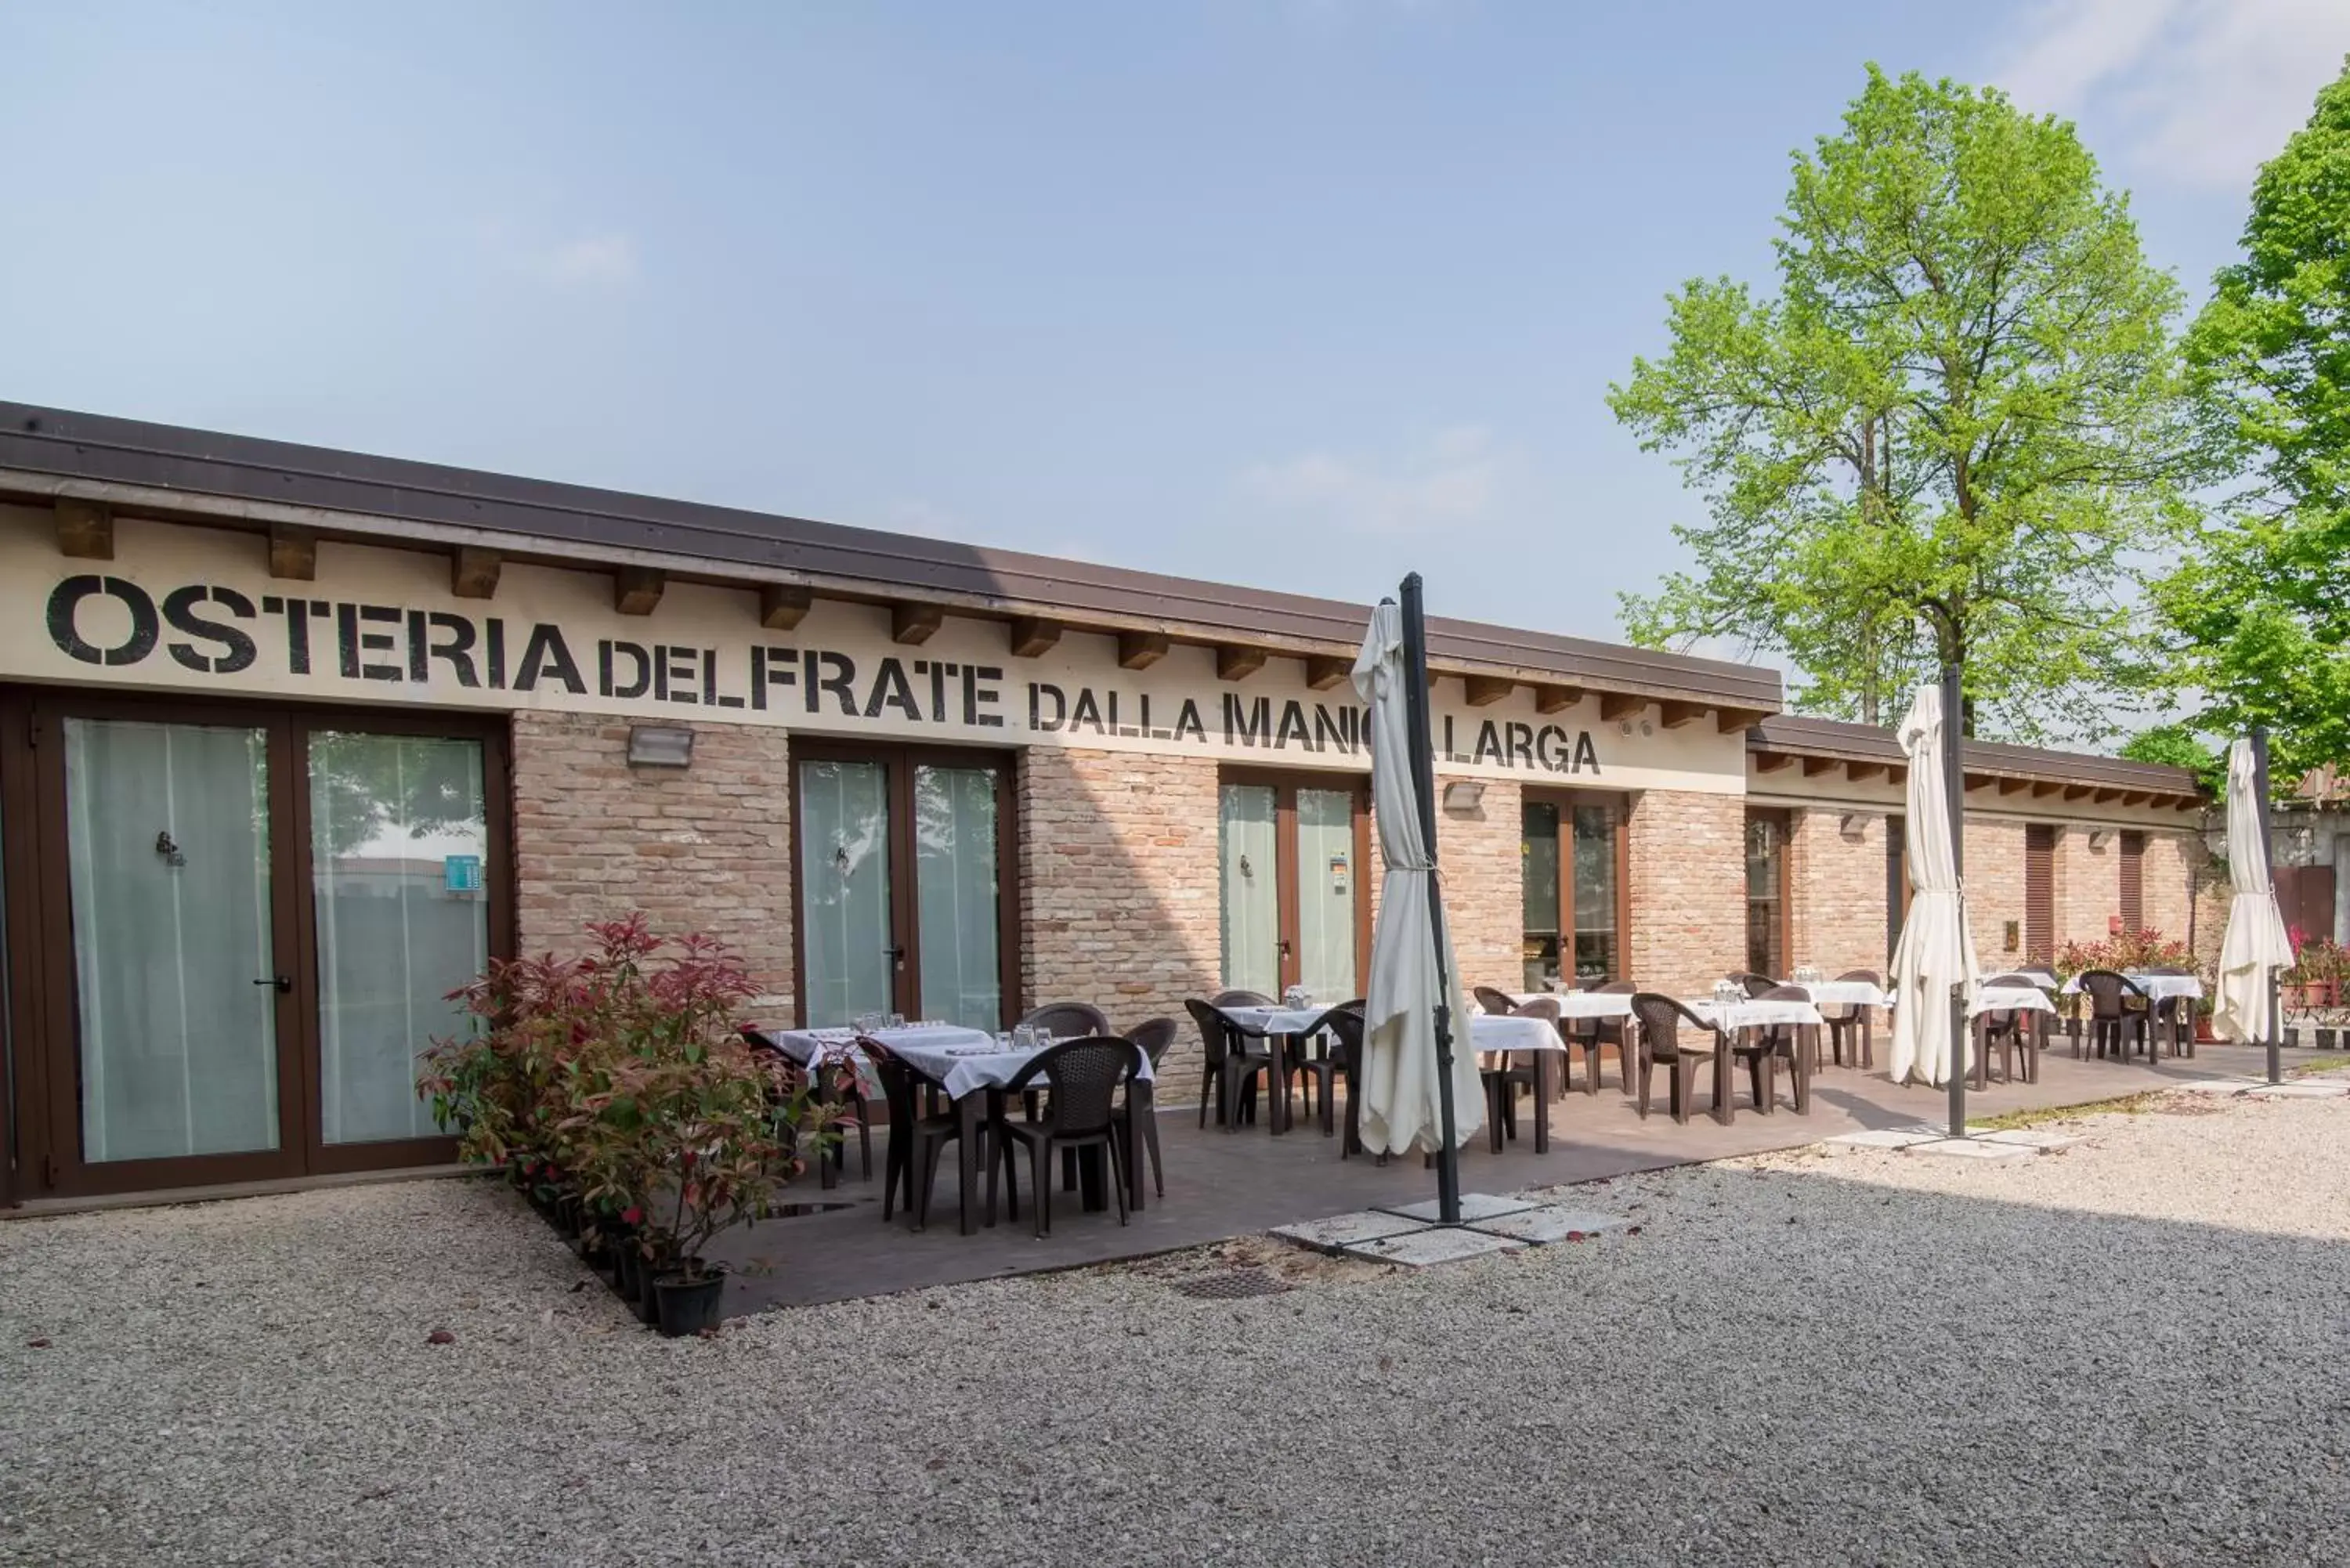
(1344,1230)
(1540,1227)
(2214,1085)
(2298,1089)
(1426,1248)
(1973,1149)
(2033,1138)
(1473,1206)
(1888,1137)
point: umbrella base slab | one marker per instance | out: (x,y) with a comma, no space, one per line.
(1433,1245)
(1541,1227)
(1973,1149)
(2031,1138)
(1340,1231)
(1888,1138)
(2213,1087)
(2307,1089)
(1475,1206)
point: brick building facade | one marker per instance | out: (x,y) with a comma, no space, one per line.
(470,714)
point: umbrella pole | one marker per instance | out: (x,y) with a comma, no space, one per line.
(1423,789)
(1954,790)
(2268,861)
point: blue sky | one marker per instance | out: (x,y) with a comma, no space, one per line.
(1296,293)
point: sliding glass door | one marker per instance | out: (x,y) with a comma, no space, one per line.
(904,859)
(247,920)
(1295,911)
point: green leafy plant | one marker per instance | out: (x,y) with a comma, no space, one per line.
(620,1077)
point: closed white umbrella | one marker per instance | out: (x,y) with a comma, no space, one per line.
(1400,1086)
(2257,943)
(1936,950)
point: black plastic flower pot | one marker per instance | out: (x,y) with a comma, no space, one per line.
(689,1306)
(647,1302)
(567,1216)
(624,1272)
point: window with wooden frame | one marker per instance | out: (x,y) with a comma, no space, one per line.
(1575,886)
(2132,880)
(2039,892)
(1766,892)
(1294,903)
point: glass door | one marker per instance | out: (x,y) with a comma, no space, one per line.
(1294,909)
(902,854)
(176,1031)
(1571,892)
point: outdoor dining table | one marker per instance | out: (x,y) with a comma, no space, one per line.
(1842,992)
(972,1066)
(1487,1032)
(1283,1026)
(1748,1013)
(1573,1004)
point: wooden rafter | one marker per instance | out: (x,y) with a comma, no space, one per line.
(1238,661)
(1681,715)
(473,572)
(637,589)
(1615,705)
(1557,699)
(1484,691)
(782,605)
(1325,670)
(293,553)
(914,624)
(85,529)
(1032,637)
(1141,650)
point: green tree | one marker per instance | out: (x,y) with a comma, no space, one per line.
(2262,605)
(1949,436)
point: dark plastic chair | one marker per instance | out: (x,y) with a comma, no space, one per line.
(1754,984)
(2177,1012)
(1155,1037)
(1500,1004)
(1762,1050)
(1321,1072)
(1504,1081)
(1345,1026)
(1085,1077)
(1660,1018)
(1848,1035)
(1232,1064)
(2113,1023)
(1069,1020)
(911,1162)
(833,1088)
(1240,999)
(1587,1036)
(2012,1032)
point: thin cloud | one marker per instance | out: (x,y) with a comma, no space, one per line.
(1451,479)
(582,261)
(2195,92)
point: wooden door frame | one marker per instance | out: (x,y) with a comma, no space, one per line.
(898,759)
(494,734)
(44,993)
(1783,821)
(1285,783)
(1618,808)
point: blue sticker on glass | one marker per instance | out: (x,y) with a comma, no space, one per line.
(461,873)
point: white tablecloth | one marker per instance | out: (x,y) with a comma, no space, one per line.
(1499,1032)
(1844,992)
(2009,999)
(961,1059)
(1752,1014)
(2160,986)
(1277,1020)
(1586,1003)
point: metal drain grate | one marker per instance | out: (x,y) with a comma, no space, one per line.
(1231,1284)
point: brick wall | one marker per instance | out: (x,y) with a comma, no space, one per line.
(703,848)
(1119,893)
(1481,852)
(2088,885)
(1993,878)
(1836,884)
(2163,881)
(1689,890)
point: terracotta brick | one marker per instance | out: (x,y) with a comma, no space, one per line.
(1835,890)
(1689,890)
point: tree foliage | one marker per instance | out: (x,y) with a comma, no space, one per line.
(1948,434)
(2262,605)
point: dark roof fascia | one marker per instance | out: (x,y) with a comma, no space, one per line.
(97,450)
(1800,735)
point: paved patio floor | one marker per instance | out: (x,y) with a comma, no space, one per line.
(1222,1184)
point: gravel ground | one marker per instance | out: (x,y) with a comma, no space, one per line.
(2130,1353)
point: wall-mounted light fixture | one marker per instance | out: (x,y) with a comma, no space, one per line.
(660,746)
(1463,794)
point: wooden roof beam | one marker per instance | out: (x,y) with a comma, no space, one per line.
(1736,721)
(2014,786)
(2106,796)
(1772,761)
(637,589)
(2136,796)
(2078,791)
(1815,766)
(2046,789)
(1325,670)
(1557,699)
(473,572)
(293,553)
(914,624)
(1977,781)
(1681,715)
(1615,705)
(1141,650)
(782,605)
(85,529)
(1861,773)
(1484,691)
(1235,662)
(1032,637)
